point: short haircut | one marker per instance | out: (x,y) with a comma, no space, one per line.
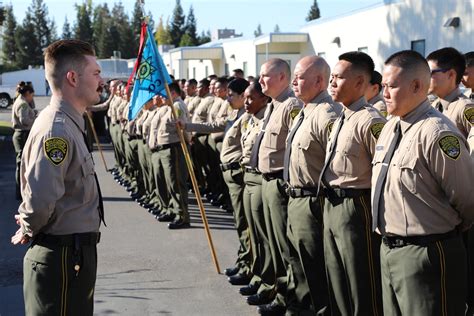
(360,61)
(449,58)
(258,87)
(174,86)
(238,85)
(238,71)
(63,56)
(469,59)
(210,77)
(223,81)
(183,81)
(376,79)
(279,65)
(192,82)
(410,61)
(205,83)
(24,88)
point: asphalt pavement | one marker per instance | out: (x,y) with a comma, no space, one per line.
(144,268)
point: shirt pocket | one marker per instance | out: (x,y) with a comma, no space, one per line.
(88,179)
(274,137)
(408,174)
(348,161)
(303,146)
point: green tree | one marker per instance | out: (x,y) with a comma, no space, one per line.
(44,28)
(9,47)
(29,48)
(190,37)
(67,33)
(136,23)
(205,37)
(162,35)
(177,24)
(83,27)
(258,31)
(276,29)
(314,12)
(126,37)
(105,43)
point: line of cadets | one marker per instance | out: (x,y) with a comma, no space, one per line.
(294,164)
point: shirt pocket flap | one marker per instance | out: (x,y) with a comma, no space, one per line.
(87,166)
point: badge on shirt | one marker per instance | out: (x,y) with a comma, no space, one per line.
(329,126)
(55,149)
(294,113)
(376,129)
(469,115)
(450,146)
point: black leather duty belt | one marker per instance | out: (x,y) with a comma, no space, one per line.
(230,166)
(273,175)
(84,239)
(402,241)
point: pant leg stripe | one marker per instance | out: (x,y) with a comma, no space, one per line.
(370,255)
(63,279)
(442,263)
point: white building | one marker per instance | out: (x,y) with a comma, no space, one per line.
(379,30)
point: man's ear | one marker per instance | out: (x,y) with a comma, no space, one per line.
(416,86)
(71,78)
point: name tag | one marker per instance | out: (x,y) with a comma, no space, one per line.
(379,147)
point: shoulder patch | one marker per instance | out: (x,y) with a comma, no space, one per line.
(56,149)
(450,146)
(384,113)
(329,126)
(376,129)
(469,115)
(294,113)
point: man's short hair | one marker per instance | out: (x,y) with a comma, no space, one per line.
(279,65)
(174,86)
(238,85)
(192,82)
(223,81)
(205,83)
(376,79)
(238,71)
(210,77)
(469,59)
(63,56)
(449,58)
(360,61)
(410,61)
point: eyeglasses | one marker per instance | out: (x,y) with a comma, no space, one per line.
(443,70)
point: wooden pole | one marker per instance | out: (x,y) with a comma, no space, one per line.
(189,164)
(97,140)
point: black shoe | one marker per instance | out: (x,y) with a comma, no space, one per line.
(257,299)
(165,217)
(248,290)
(231,271)
(271,309)
(156,212)
(239,279)
(178,224)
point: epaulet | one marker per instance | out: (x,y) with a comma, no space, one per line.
(373,111)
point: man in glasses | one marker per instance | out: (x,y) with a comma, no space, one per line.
(447,67)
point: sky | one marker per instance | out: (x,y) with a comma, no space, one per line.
(242,15)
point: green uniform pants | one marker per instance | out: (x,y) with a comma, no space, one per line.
(160,183)
(144,165)
(262,267)
(19,139)
(351,252)
(305,233)
(424,280)
(50,283)
(199,153)
(175,173)
(235,182)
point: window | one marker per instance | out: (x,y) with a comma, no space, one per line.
(322,54)
(188,73)
(418,46)
(363,49)
(226,70)
(206,71)
(194,73)
(244,67)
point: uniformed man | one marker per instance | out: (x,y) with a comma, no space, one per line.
(169,158)
(267,157)
(192,98)
(260,288)
(62,205)
(238,73)
(304,159)
(468,77)
(350,248)
(23,117)
(422,197)
(372,94)
(447,68)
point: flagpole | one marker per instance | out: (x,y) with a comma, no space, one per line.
(97,140)
(189,164)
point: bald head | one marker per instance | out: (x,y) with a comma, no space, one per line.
(275,77)
(278,65)
(311,77)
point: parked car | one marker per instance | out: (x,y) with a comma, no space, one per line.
(7,95)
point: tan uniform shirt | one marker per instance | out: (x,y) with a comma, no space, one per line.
(114,104)
(140,121)
(459,109)
(59,191)
(378,103)
(469,94)
(23,115)
(192,103)
(470,140)
(231,146)
(146,128)
(308,149)
(201,111)
(272,149)
(249,136)
(163,126)
(428,188)
(350,166)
